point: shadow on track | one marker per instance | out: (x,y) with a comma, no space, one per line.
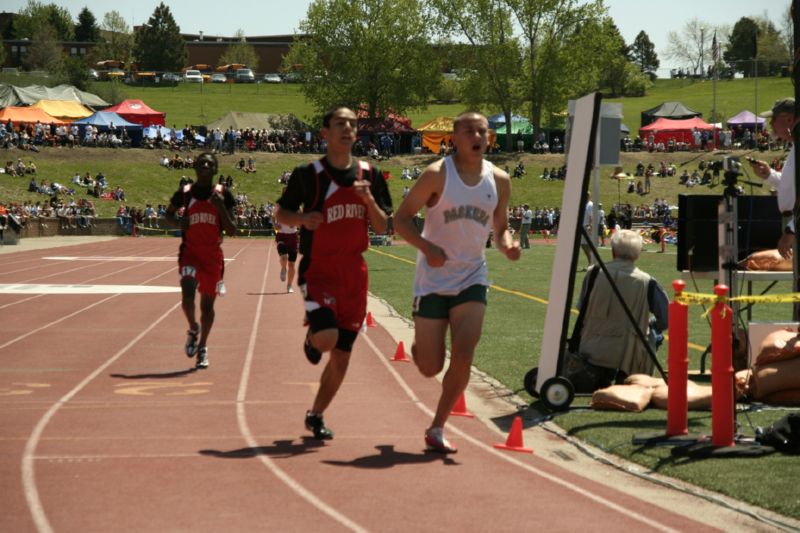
(163,375)
(388,458)
(280,448)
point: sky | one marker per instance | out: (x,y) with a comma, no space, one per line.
(271,17)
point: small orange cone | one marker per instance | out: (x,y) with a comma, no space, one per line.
(460,408)
(370,321)
(400,353)
(514,440)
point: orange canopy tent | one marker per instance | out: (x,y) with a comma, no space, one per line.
(27,115)
(439,130)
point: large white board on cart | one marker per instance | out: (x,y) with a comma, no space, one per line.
(579,166)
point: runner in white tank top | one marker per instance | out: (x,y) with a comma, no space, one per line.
(459,223)
(465,197)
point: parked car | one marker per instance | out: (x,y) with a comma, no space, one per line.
(272,78)
(193,76)
(171,76)
(244,75)
(218,77)
(293,77)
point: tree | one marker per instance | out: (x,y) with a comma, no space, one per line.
(493,60)
(86,29)
(158,44)
(75,73)
(741,48)
(116,39)
(547,27)
(35,15)
(370,53)
(240,52)
(692,46)
(756,38)
(44,52)
(643,53)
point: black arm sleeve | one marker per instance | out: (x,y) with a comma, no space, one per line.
(292,196)
(380,191)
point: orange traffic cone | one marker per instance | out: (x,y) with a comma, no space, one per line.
(370,321)
(514,440)
(400,353)
(460,408)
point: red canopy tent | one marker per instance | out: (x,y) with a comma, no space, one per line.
(138,112)
(681,131)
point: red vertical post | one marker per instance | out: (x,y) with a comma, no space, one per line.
(722,424)
(678,365)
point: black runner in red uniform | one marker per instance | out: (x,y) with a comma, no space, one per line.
(200,255)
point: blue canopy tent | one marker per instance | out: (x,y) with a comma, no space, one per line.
(102,120)
(498,121)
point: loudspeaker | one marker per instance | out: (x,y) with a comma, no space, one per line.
(759,228)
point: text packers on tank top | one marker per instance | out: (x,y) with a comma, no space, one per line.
(459,223)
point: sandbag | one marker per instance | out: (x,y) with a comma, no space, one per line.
(788,397)
(698,397)
(769,260)
(644,380)
(775,377)
(777,346)
(622,398)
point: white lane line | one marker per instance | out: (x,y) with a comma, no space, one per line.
(28,473)
(58,288)
(244,427)
(506,457)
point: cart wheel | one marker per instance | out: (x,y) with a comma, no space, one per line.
(557,393)
(530,382)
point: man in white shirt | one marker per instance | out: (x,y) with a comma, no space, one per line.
(782,120)
(525,226)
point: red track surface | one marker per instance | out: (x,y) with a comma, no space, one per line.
(106,426)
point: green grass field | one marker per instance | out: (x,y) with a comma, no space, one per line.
(510,347)
(515,319)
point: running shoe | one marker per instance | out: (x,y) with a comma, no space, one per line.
(312,354)
(436,442)
(202,358)
(289,289)
(221,290)
(316,425)
(283,274)
(191,340)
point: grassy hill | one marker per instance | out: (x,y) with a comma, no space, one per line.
(145,182)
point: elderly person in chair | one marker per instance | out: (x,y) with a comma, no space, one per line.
(607,337)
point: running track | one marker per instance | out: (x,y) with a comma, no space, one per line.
(104,424)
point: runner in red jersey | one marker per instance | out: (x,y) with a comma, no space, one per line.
(340,197)
(206,210)
(287,242)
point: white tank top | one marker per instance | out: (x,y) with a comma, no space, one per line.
(459,223)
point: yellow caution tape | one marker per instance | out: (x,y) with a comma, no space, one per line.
(694,298)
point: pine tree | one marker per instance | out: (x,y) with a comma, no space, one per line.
(86,29)
(643,53)
(159,44)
